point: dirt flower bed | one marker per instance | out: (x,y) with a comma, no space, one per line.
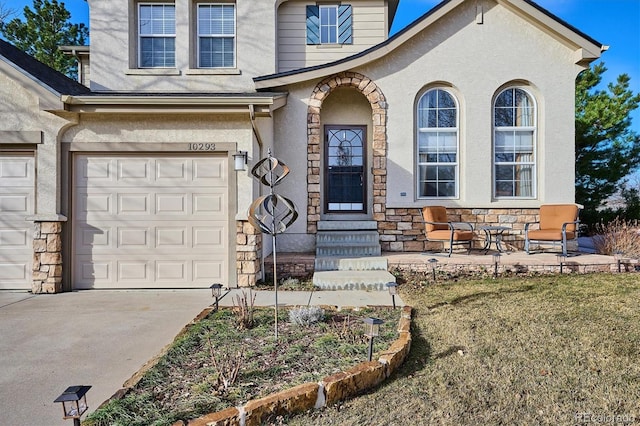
(219,363)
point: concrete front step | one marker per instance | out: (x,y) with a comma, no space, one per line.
(347,225)
(353,280)
(347,237)
(352,250)
(367,263)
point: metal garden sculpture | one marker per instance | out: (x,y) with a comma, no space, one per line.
(272,213)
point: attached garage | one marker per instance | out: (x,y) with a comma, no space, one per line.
(150,221)
(17,179)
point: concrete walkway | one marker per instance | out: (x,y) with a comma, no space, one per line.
(102,337)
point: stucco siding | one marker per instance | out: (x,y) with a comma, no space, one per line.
(476,61)
(369,28)
(114,52)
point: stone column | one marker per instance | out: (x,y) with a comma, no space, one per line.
(248,254)
(47,257)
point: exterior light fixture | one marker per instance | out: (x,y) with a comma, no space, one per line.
(561,260)
(617,255)
(496,262)
(393,290)
(74,403)
(433,262)
(240,161)
(216,291)
(373,330)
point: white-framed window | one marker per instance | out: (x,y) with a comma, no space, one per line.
(437,145)
(216,35)
(329,24)
(514,153)
(156,35)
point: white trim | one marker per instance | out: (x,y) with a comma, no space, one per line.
(223,36)
(534,135)
(419,130)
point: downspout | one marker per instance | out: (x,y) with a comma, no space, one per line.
(256,133)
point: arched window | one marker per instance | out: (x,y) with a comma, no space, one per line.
(514,156)
(437,140)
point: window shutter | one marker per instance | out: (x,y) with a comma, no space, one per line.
(345,24)
(313,24)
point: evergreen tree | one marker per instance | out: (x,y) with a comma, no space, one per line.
(607,150)
(46,27)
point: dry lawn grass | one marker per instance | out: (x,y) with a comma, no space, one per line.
(521,351)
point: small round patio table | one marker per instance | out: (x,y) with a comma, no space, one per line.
(493,236)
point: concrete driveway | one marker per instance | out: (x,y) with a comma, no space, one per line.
(95,337)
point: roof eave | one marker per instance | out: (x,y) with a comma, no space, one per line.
(263,105)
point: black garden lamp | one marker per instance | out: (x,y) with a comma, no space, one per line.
(562,258)
(373,330)
(216,292)
(393,290)
(433,262)
(74,403)
(617,255)
(496,262)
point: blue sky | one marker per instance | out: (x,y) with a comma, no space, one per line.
(615,23)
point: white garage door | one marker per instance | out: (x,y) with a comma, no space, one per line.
(16,234)
(151,221)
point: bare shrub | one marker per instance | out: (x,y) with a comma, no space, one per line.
(618,236)
(227,367)
(244,309)
(306,315)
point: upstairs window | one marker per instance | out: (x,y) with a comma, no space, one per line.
(329,24)
(437,134)
(514,144)
(216,35)
(157,35)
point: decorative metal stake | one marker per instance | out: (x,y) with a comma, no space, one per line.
(278,212)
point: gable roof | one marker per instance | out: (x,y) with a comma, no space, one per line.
(587,48)
(43,74)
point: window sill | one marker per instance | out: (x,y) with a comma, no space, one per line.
(329,46)
(213,71)
(152,71)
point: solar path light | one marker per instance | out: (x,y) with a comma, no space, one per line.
(216,291)
(393,290)
(373,330)
(74,403)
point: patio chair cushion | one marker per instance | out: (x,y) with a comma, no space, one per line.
(435,214)
(552,216)
(550,234)
(458,235)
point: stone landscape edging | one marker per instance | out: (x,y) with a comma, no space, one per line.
(327,392)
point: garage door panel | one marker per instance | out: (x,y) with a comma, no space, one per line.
(133,238)
(174,204)
(89,238)
(171,237)
(134,171)
(16,272)
(207,270)
(134,204)
(17,200)
(212,174)
(170,230)
(171,170)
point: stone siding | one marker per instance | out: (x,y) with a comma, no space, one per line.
(378,102)
(402,230)
(47,257)
(248,254)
